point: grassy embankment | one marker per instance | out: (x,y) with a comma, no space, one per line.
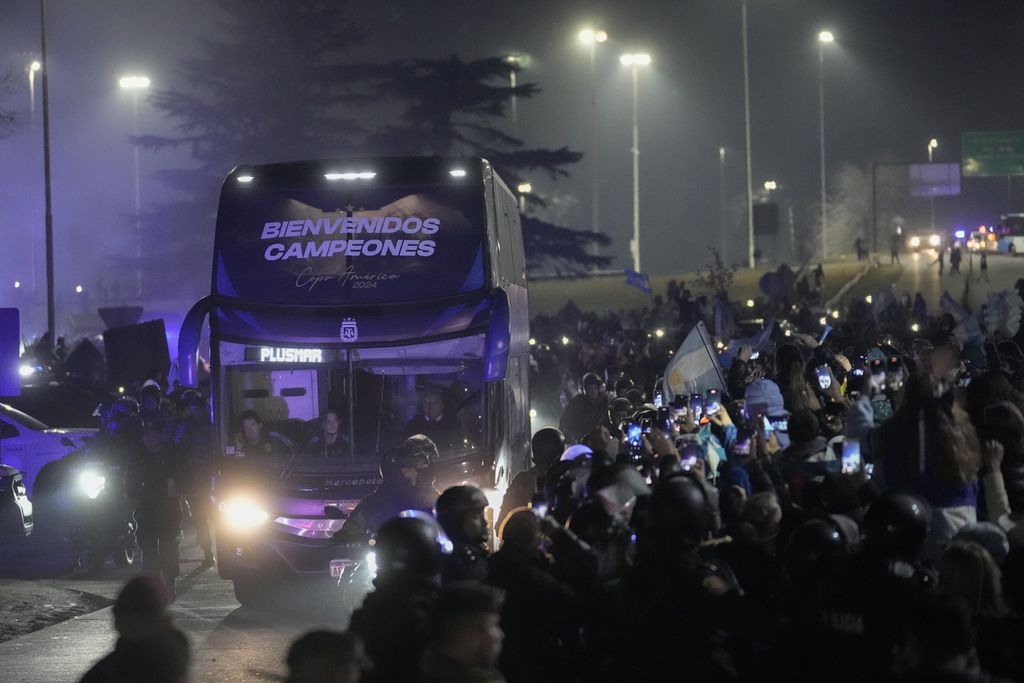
(612,293)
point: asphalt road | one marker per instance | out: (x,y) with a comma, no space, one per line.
(229,642)
(921,275)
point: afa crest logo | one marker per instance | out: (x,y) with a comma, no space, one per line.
(349,330)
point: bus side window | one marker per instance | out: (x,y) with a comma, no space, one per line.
(518,257)
(505,248)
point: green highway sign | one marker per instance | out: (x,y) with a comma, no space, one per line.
(993,153)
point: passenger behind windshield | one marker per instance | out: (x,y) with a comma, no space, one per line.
(255,440)
(433,420)
(330,439)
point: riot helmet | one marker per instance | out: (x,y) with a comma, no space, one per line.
(417,455)
(679,514)
(547,446)
(896,524)
(453,508)
(817,543)
(411,546)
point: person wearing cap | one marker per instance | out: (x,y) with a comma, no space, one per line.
(764,397)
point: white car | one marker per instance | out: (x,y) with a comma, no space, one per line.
(27,444)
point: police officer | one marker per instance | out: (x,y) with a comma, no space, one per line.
(394,620)
(858,618)
(460,511)
(407,483)
(680,602)
(193,442)
(546,447)
(155,481)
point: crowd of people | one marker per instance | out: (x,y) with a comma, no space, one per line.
(844,506)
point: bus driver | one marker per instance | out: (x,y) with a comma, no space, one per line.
(433,421)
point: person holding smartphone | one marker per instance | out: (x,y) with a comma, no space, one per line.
(808,455)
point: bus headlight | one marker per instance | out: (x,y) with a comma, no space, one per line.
(242,514)
(371,563)
(91,484)
(934,240)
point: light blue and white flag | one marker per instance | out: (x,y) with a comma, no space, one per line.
(694,366)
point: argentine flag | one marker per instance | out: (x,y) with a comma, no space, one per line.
(694,368)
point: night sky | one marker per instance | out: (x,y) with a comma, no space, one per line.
(900,73)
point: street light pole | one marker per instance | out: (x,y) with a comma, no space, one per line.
(591,37)
(135,84)
(823,37)
(633,61)
(721,201)
(746,131)
(932,144)
(51,316)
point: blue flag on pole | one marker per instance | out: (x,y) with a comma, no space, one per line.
(639,280)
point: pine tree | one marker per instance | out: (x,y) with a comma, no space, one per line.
(265,87)
(454,107)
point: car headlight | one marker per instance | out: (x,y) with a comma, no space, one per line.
(915,241)
(242,514)
(934,240)
(91,483)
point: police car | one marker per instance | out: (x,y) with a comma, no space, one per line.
(26,444)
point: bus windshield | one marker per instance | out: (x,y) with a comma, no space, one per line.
(344,407)
(349,243)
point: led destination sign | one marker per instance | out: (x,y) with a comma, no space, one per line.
(276,354)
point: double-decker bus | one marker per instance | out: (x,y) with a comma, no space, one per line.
(365,288)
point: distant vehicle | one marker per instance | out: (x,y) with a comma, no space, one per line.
(27,444)
(15,507)
(982,239)
(1010,233)
(924,240)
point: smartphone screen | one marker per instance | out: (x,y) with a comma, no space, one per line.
(824,378)
(713,403)
(633,432)
(768,428)
(697,405)
(659,397)
(679,414)
(851,457)
(755,355)
(780,424)
(665,419)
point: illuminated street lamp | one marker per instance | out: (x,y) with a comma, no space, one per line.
(634,61)
(523,189)
(770,185)
(517,62)
(590,37)
(32,69)
(135,84)
(824,38)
